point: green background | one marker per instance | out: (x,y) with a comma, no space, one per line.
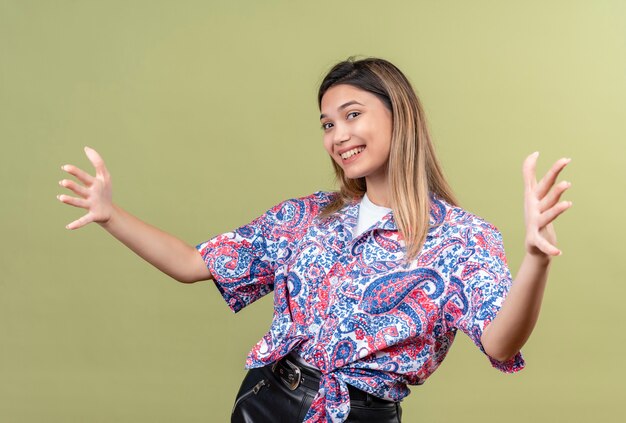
(206,115)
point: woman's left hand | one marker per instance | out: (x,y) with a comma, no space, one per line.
(542,206)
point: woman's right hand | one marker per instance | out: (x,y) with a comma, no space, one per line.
(167,253)
(94,193)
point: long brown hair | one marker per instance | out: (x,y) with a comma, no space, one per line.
(413,171)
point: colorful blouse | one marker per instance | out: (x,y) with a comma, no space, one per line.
(353,306)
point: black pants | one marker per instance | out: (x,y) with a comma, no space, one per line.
(264,398)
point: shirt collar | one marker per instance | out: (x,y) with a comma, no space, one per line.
(349,214)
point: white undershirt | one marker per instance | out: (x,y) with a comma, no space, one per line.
(369,213)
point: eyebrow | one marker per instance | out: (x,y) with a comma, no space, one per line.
(343,106)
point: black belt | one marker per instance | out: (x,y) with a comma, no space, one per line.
(294,375)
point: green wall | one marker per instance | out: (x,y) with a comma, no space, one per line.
(206,115)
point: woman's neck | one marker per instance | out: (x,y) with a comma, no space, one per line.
(378,191)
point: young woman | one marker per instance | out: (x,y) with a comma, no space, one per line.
(371,282)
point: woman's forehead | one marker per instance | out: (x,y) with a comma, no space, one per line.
(338,96)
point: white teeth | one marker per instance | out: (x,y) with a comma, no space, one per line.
(352,152)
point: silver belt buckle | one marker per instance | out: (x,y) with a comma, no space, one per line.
(291,380)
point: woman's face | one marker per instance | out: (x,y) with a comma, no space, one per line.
(357,131)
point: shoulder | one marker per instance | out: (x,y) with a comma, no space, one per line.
(310,202)
(319,198)
(476,236)
(455,219)
(301,209)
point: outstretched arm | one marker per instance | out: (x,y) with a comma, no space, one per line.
(515,321)
(164,251)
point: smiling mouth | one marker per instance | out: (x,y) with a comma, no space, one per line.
(353,152)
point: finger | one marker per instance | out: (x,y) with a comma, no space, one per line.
(549,178)
(549,215)
(71,185)
(73,201)
(547,248)
(528,171)
(80,174)
(79,223)
(97,161)
(554,196)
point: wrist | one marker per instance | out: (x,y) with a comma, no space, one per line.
(538,257)
(112,217)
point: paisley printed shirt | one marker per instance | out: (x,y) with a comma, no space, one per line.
(353,306)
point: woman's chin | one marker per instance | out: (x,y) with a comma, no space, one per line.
(353,176)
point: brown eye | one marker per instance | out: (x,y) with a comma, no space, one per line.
(352,115)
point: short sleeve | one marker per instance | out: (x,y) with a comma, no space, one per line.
(479,284)
(243,262)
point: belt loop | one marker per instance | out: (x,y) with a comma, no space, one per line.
(368,399)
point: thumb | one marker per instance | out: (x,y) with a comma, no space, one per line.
(97,161)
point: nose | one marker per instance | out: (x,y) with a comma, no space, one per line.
(340,134)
